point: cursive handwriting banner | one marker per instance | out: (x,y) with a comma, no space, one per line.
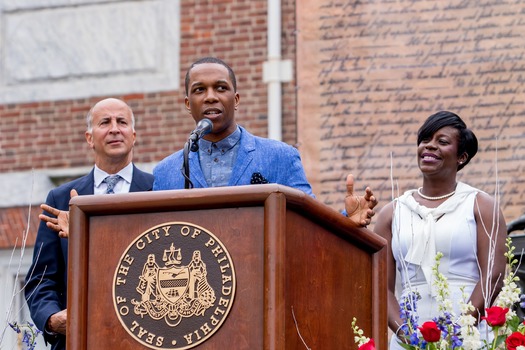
(370,72)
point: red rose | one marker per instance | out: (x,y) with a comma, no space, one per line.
(430,331)
(495,316)
(368,346)
(514,340)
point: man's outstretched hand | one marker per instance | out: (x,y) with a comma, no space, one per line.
(59,224)
(360,209)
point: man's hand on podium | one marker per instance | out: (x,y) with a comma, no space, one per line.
(56,324)
(59,224)
(359,209)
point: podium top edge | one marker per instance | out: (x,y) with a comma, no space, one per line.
(252,193)
(220,197)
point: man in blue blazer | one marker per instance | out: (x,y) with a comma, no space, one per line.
(258,160)
(111,135)
(229,155)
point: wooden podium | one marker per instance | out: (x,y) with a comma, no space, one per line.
(301,272)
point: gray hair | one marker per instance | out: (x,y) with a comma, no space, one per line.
(89,118)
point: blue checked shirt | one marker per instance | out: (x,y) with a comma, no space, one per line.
(217,158)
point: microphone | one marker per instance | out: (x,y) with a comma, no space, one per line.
(204,127)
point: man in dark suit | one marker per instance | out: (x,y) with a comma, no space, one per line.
(111,135)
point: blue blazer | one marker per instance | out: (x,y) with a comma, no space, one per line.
(46,281)
(275,161)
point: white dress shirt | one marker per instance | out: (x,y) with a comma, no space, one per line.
(121,187)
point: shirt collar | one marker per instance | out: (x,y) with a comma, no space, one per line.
(126,173)
(223,145)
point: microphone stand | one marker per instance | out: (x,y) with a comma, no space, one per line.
(194,144)
(203,127)
(186,165)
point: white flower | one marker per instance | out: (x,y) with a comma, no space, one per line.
(471,336)
(471,339)
(508,295)
(465,308)
(359,338)
(447,305)
(466,320)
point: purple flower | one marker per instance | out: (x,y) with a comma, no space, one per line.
(29,333)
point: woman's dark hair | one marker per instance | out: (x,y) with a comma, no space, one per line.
(468,143)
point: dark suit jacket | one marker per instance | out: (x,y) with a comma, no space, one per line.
(46,281)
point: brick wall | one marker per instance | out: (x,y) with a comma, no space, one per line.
(17,222)
(47,134)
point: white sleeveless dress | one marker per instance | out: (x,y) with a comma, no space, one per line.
(418,233)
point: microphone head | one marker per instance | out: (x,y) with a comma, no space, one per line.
(205,125)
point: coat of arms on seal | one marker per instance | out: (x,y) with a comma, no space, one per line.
(172,273)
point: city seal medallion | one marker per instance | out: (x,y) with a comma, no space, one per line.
(174,286)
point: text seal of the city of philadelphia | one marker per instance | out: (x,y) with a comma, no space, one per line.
(174,286)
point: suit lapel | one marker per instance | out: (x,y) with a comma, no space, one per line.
(196,173)
(86,185)
(244,157)
(139,182)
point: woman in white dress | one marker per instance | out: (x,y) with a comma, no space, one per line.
(443,216)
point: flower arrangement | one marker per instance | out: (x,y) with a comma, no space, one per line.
(448,331)
(29,333)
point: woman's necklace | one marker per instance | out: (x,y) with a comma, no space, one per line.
(435,198)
